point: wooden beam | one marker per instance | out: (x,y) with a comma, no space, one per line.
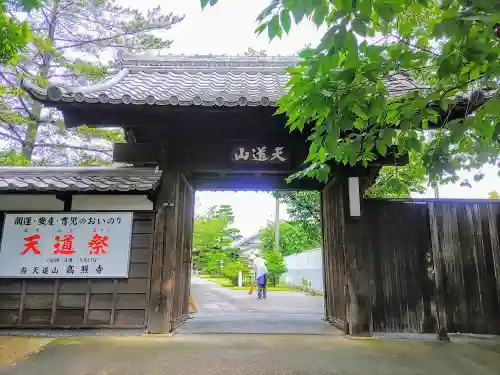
(137,153)
(223,155)
(275,155)
(262,182)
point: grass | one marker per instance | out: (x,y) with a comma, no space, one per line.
(222,281)
(226,283)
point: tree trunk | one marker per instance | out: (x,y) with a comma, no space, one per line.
(32,131)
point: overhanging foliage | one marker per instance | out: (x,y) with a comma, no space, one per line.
(449,51)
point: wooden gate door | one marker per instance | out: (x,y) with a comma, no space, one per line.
(171,255)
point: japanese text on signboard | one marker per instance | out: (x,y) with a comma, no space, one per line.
(66,245)
(260,154)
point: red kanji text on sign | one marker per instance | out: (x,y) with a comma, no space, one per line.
(64,245)
(30,245)
(98,244)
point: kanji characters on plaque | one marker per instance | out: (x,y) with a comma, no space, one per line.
(63,245)
(260,154)
(66,245)
(72,221)
(30,244)
(98,244)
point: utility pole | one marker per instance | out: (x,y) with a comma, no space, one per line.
(435,186)
(277,225)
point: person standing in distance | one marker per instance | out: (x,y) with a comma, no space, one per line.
(260,269)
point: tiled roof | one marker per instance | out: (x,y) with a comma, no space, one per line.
(119,179)
(196,80)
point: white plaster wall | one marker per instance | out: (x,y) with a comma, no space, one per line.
(307,265)
(88,202)
(30,202)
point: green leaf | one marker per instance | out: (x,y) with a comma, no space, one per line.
(266,12)
(388,136)
(359,27)
(261,28)
(350,42)
(452,64)
(384,10)
(339,39)
(365,9)
(321,155)
(320,13)
(204,3)
(395,51)
(368,146)
(381,147)
(345,124)
(298,12)
(342,4)
(328,40)
(395,184)
(274,27)
(359,112)
(413,143)
(347,75)
(286,21)
(323,174)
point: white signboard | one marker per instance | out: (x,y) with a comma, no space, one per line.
(66,245)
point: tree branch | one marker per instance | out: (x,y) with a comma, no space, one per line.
(8,136)
(84,148)
(310,209)
(32,115)
(4,77)
(13,130)
(108,25)
(104,39)
(414,45)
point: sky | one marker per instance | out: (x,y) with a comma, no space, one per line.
(228,28)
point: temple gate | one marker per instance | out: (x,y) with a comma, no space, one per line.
(209,123)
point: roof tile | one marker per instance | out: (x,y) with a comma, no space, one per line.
(180,80)
(82,179)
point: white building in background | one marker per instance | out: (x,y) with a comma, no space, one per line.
(249,245)
(305,268)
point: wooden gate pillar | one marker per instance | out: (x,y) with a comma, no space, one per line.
(164,242)
(439,272)
(358,259)
(344,239)
(171,253)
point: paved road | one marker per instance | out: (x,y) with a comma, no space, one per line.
(213,298)
(255,355)
(223,310)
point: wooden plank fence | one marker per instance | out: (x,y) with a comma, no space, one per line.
(430,265)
